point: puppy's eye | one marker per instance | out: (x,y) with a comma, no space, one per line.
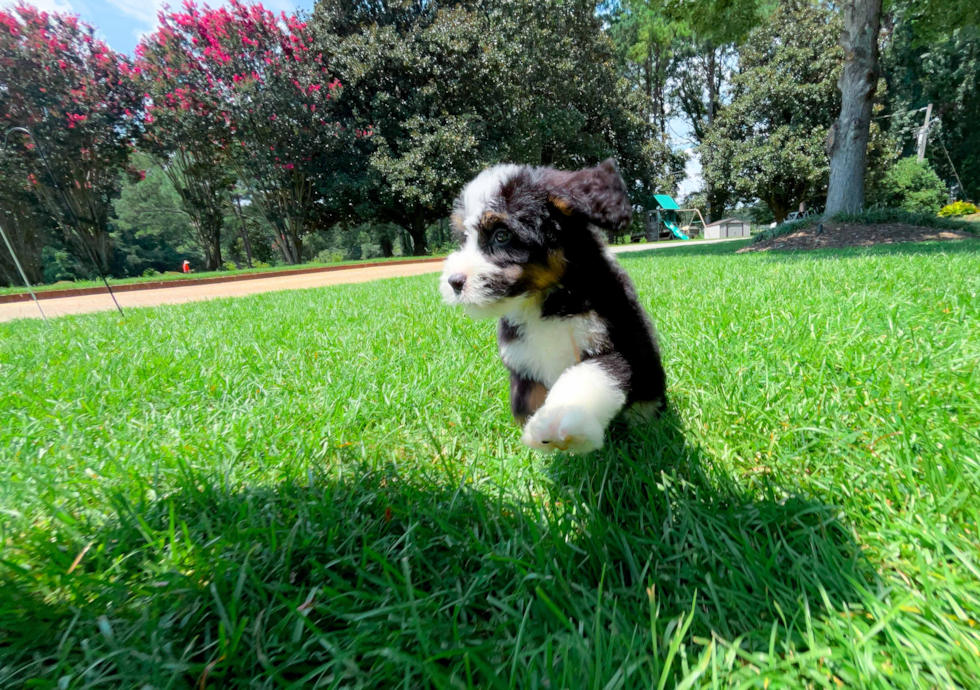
(501,236)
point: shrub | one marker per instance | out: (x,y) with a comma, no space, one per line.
(330,256)
(914,186)
(959,208)
(260,264)
(891,216)
(229,266)
(150,273)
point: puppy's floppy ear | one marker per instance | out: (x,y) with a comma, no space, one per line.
(598,194)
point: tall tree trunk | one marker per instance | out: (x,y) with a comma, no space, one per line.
(28,242)
(847,143)
(387,246)
(290,242)
(417,231)
(648,82)
(406,241)
(91,244)
(661,113)
(214,253)
(710,67)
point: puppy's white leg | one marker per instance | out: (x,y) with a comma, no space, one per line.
(577,410)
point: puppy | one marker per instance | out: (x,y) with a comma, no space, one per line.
(578,346)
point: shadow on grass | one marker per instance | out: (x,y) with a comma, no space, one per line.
(662,515)
(380,578)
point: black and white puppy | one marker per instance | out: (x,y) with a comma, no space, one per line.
(579,347)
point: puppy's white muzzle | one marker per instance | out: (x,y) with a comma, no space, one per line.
(470,281)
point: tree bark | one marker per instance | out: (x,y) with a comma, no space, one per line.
(387,247)
(847,143)
(28,242)
(710,67)
(417,231)
(90,242)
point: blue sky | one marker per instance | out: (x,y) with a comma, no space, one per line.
(122,22)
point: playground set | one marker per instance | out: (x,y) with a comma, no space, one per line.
(666,220)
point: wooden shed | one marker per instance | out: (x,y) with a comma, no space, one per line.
(728,227)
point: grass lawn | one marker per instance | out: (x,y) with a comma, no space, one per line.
(19,288)
(323,488)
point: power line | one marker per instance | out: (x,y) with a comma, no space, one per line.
(906,112)
(955,174)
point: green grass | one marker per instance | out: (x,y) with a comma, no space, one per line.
(196,275)
(324,489)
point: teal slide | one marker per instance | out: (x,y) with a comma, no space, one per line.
(676,231)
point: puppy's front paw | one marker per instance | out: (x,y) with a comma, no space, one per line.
(572,429)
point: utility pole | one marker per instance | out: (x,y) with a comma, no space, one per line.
(924,134)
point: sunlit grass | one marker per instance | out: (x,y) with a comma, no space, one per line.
(325,486)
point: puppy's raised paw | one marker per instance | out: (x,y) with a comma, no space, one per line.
(572,429)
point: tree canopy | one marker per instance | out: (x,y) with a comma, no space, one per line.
(349,131)
(769,142)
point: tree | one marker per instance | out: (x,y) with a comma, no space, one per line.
(925,20)
(768,144)
(152,229)
(415,78)
(704,66)
(847,142)
(449,89)
(74,94)
(187,129)
(646,38)
(23,223)
(945,71)
(274,94)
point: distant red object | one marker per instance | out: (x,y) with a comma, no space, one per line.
(187,266)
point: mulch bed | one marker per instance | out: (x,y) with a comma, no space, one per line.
(836,235)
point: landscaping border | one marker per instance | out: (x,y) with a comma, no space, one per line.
(182,282)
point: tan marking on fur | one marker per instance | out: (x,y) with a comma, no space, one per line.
(535,399)
(490,218)
(542,278)
(561,204)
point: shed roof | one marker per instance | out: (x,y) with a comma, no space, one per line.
(728,221)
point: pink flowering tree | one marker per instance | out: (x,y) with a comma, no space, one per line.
(187,128)
(273,95)
(75,95)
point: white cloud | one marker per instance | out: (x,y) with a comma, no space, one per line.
(144,11)
(50,5)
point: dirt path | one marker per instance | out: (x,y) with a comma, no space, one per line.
(176,295)
(151,298)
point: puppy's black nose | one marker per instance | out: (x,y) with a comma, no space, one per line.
(456,282)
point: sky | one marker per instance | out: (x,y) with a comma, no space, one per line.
(122,22)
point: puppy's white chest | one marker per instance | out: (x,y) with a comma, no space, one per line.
(545,348)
